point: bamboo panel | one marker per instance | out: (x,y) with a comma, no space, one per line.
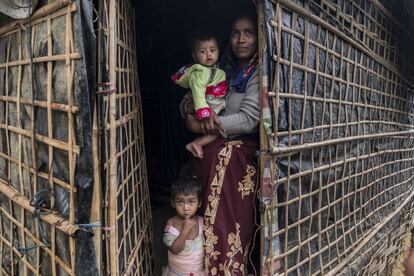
(340,160)
(39,150)
(125,187)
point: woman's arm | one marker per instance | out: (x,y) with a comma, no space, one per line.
(211,125)
(246,120)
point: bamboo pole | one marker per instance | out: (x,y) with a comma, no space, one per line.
(52,219)
(52,142)
(263,88)
(38,103)
(42,59)
(112,37)
(96,207)
(280,150)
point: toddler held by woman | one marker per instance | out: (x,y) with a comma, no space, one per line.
(207,83)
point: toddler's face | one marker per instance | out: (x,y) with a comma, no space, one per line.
(206,52)
(186,205)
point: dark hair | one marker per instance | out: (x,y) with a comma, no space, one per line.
(187,185)
(246,14)
(200,36)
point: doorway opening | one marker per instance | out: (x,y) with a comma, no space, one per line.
(162,33)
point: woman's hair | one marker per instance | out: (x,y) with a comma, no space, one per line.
(246,14)
(187,185)
(200,36)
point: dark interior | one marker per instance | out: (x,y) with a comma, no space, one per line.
(163,29)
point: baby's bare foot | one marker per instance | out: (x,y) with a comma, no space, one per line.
(195,149)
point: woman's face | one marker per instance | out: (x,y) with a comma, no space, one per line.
(243,40)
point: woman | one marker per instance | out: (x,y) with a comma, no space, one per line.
(228,169)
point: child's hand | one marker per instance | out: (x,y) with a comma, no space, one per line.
(188,224)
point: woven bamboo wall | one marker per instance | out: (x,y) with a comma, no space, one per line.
(127,204)
(341,155)
(46,153)
(39,115)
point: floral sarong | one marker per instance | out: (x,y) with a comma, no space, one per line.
(228,175)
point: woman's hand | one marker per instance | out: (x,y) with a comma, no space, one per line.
(211,125)
(192,124)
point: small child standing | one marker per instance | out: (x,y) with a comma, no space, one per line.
(207,83)
(183,234)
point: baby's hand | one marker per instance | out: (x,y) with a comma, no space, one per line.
(188,224)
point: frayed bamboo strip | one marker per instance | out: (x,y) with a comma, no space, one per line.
(53,219)
(400,263)
(370,235)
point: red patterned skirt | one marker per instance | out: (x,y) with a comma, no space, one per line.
(228,175)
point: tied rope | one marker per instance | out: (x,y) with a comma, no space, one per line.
(39,203)
(87,227)
(24,251)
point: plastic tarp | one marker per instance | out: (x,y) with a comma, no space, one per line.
(18,9)
(83,95)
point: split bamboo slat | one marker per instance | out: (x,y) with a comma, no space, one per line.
(341,154)
(43,246)
(124,188)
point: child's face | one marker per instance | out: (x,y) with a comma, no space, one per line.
(206,52)
(186,205)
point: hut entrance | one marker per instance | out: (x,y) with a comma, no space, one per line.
(162,47)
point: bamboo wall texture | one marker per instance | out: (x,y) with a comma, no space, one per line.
(341,154)
(47,152)
(33,146)
(128,209)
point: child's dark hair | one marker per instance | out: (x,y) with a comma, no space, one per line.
(200,36)
(187,185)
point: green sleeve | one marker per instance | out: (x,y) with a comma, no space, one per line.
(198,80)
